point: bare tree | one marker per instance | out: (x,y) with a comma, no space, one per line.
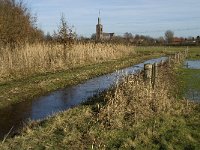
(65,34)
(169,35)
(198,39)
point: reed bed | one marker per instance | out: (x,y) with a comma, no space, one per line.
(41,58)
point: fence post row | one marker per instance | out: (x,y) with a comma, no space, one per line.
(151,70)
(154,74)
(169,61)
(150,73)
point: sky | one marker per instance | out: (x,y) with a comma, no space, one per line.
(145,17)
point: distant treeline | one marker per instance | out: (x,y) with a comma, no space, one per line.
(19,27)
(143,40)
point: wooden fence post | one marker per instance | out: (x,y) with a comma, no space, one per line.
(186,52)
(148,73)
(169,61)
(175,57)
(162,62)
(187,65)
(155,70)
(154,74)
(178,57)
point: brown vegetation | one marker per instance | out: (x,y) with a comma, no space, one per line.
(17,25)
(134,100)
(41,58)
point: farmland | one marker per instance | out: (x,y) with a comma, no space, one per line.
(123,77)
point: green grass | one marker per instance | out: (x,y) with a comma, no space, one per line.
(194,53)
(189,80)
(161,49)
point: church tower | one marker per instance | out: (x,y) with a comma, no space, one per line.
(99,30)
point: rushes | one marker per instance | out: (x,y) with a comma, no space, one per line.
(134,101)
(41,58)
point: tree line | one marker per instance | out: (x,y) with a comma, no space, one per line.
(169,38)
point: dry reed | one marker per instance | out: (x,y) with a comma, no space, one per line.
(41,58)
(133,101)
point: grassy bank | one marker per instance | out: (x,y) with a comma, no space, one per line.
(130,116)
(194,53)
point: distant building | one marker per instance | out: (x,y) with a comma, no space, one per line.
(182,41)
(100,35)
(177,40)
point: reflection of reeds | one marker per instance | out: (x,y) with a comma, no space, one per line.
(41,58)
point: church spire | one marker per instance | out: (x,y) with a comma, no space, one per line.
(99,29)
(99,19)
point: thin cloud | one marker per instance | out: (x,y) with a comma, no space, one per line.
(119,15)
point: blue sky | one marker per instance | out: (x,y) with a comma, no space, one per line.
(147,17)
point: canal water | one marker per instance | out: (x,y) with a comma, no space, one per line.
(13,117)
(192,93)
(192,64)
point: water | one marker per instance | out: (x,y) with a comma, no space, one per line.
(14,116)
(192,94)
(192,64)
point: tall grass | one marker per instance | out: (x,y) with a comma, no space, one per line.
(134,100)
(40,58)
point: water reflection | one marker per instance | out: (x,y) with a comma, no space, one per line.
(192,94)
(192,64)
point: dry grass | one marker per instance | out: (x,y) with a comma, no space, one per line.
(134,100)
(131,116)
(41,58)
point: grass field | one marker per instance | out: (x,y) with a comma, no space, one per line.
(130,116)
